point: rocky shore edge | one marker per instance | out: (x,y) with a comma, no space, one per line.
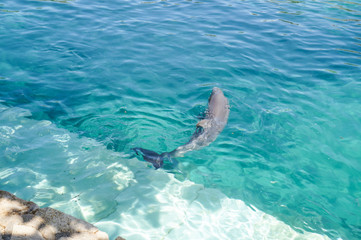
(20,219)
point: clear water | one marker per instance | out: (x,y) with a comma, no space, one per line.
(82,82)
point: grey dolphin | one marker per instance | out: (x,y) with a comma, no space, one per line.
(206,131)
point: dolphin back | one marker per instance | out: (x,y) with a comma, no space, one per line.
(218,106)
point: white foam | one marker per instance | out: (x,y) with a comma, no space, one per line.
(122,196)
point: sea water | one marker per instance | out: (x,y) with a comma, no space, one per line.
(82,82)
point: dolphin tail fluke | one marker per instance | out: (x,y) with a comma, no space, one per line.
(156,159)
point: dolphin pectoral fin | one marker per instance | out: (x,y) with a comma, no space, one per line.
(202,123)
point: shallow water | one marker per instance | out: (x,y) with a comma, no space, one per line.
(83,82)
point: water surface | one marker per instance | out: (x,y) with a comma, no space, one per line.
(123,74)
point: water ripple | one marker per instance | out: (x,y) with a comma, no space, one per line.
(138,73)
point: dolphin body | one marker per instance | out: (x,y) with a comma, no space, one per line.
(206,131)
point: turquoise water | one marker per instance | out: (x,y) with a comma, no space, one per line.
(82,82)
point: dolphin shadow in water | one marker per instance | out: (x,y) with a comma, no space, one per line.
(206,132)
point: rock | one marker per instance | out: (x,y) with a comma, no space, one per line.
(118,238)
(20,219)
(22,232)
